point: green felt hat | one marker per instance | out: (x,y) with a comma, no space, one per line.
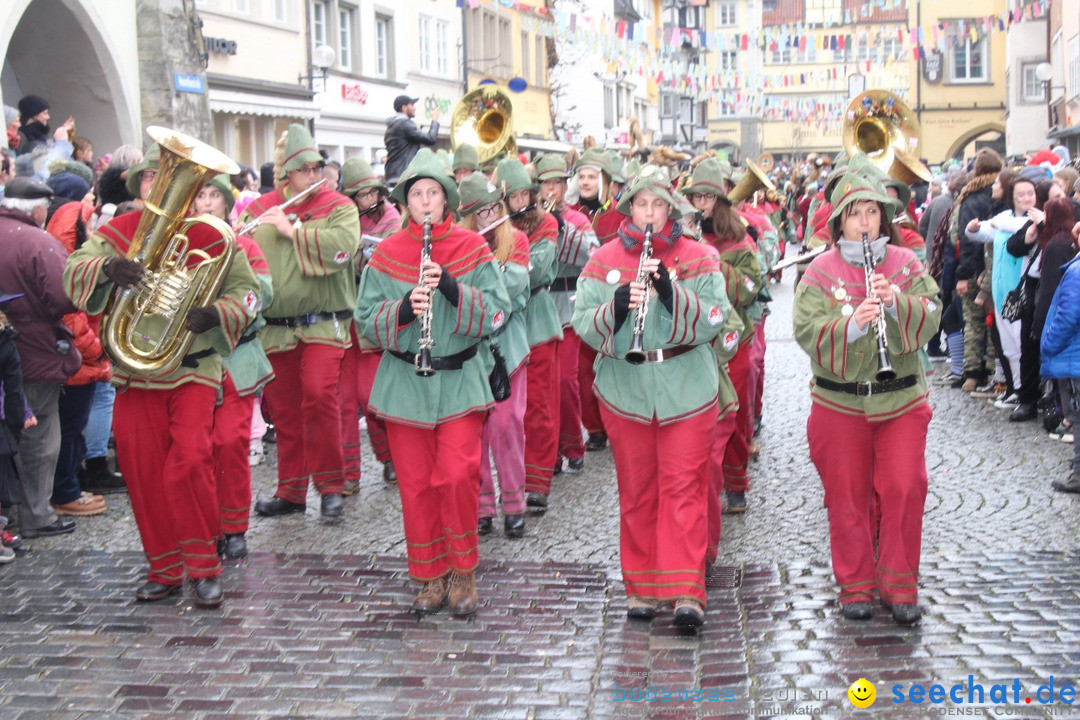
(511,176)
(615,166)
(551,167)
(655,179)
(224,183)
(476,191)
(686,209)
(633,167)
(426,164)
(593,157)
(465,156)
(357,175)
(854,187)
(151,160)
(299,150)
(708,178)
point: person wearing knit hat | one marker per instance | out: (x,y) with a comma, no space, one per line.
(466,161)
(434,424)
(378,219)
(543,328)
(723,229)
(577,240)
(869,445)
(34,127)
(659,410)
(140,176)
(484,210)
(69,186)
(247,371)
(310,252)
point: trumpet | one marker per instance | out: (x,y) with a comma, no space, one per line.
(885,371)
(425,342)
(636,354)
(288,203)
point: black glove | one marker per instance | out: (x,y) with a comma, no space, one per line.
(664,289)
(202,319)
(123,272)
(405,314)
(448,286)
(558,219)
(622,305)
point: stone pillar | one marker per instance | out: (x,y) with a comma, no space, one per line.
(169,45)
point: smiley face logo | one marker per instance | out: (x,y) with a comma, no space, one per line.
(862,693)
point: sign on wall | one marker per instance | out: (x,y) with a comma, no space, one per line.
(189,83)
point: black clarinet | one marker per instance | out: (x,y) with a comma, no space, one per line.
(425,343)
(636,354)
(885,372)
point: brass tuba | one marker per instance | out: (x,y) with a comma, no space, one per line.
(881,125)
(144,330)
(484,118)
(755,179)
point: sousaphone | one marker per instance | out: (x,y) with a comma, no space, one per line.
(484,118)
(882,126)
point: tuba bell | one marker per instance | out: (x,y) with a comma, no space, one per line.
(144,330)
(881,125)
(755,179)
(484,118)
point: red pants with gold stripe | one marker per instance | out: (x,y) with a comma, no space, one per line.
(737,453)
(303,400)
(663,487)
(571,444)
(725,427)
(367,363)
(232,470)
(438,474)
(590,408)
(541,417)
(859,461)
(163,442)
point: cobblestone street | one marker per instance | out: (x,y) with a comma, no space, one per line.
(315,622)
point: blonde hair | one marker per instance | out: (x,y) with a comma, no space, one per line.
(504,234)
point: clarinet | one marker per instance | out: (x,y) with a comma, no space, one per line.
(636,355)
(425,343)
(885,372)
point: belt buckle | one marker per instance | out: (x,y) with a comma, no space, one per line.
(864,389)
(654,356)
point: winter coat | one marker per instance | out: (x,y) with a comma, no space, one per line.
(403,140)
(32,262)
(973,203)
(1061,335)
(95,363)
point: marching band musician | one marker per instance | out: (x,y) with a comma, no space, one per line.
(434,423)
(868,437)
(577,239)
(378,219)
(247,371)
(307,327)
(163,425)
(542,327)
(660,414)
(723,229)
(484,210)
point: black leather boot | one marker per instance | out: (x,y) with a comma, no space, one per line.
(278,506)
(208,592)
(234,547)
(99,479)
(514,526)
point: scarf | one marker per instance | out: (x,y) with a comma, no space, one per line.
(852,250)
(632,236)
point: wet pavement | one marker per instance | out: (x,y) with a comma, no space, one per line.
(315,622)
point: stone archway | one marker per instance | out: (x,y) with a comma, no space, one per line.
(957,148)
(62,50)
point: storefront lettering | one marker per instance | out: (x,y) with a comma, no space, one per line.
(354,93)
(220,45)
(432,103)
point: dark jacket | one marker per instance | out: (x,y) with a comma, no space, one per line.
(403,140)
(32,262)
(977,204)
(12,400)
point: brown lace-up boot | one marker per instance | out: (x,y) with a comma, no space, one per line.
(463,600)
(431,597)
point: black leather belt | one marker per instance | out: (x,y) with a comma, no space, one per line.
(657,356)
(191,360)
(309,319)
(446,362)
(537,290)
(867,389)
(564,284)
(244,339)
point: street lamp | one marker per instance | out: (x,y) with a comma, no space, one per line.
(322,58)
(1044,73)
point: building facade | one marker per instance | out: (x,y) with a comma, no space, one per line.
(1026,123)
(1063,87)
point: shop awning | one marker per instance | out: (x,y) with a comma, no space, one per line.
(541,144)
(1070,131)
(239,102)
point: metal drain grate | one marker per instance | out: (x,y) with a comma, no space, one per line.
(724,576)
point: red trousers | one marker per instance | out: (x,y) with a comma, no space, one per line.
(504,436)
(541,417)
(725,426)
(859,462)
(757,371)
(349,404)
(232,471)
(163,442)
(439,480)
(737,452)
(303,399)
(571,444)
(663,484)
(367,363)
(590,407)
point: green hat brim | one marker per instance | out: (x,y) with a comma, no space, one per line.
(864,193)
(151,161)
(660,190)
(426,164)
(224,185)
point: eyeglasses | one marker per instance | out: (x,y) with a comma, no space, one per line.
(368,194)
(486,212)
(309,169)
